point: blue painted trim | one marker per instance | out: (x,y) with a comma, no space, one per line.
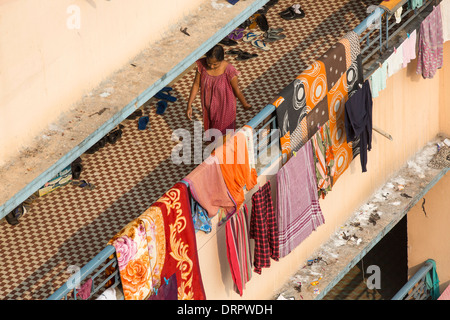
(263,114)
(121,115)
(403,292)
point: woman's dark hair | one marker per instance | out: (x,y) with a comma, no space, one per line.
(216,52)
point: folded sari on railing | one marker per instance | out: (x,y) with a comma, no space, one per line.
(430,53)
(158,244)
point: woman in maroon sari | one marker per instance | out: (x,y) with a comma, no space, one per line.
(218,84)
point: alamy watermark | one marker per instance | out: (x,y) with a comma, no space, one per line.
(75,278)
(74,19)
(374,280)
(191,149)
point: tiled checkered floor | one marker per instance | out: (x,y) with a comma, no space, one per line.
(71,225)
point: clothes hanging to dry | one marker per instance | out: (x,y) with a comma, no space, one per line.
(167,290)
(394,62)
(430,45)
(358,121)
(298,209)
(378,80)
(238,249)
(236,169)
(215,196)
(414,4)
(159,243)
(344,152)
(409,48)
(264,228)
(323,87)
(85,290)
(445,15)
(323,159)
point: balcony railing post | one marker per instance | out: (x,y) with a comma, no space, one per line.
(419,276)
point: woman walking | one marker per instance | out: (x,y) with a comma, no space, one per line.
(218,83)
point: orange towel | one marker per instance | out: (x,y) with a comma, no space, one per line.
(235,166)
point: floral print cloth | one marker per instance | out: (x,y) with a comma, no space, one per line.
(159,243)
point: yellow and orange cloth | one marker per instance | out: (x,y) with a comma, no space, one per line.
(392,6)
(318,96)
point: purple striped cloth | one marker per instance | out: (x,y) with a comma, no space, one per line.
(298,210)
(431,45)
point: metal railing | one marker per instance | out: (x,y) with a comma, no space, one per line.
(265,126)
(103,260)
(378,33)
(416,288)
(408,13)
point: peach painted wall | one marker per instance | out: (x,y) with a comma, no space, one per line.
(408,109)
(444,115)
(428,237)
(49,58)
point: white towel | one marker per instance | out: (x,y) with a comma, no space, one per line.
(398,15)
(395,61)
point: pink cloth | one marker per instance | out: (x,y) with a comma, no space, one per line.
(217,97)
(238,249)
(409,48)
(431,45)
(85,290)
(445,295)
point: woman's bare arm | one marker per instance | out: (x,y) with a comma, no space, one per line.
(238,93)
(193,94)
